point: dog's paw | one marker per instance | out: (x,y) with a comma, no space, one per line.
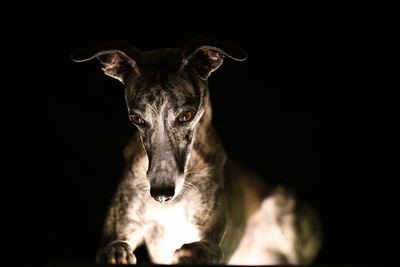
(197,253)
(116,253)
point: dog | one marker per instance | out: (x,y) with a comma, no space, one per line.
(180,194)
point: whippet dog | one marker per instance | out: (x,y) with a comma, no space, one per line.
(179,194)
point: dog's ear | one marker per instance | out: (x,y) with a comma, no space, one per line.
(118,58)
(206,55)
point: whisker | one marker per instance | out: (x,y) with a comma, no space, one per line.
(184,191)
(188,185)
(194,171)
(194,187)
(203,171)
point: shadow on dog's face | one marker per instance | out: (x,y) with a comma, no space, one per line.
(166,95)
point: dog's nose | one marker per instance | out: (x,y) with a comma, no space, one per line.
(162,194)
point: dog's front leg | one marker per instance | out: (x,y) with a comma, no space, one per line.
(211,221)
(121,236)
(116,252)
(122,232)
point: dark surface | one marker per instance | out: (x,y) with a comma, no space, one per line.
(313,107)
(82,264)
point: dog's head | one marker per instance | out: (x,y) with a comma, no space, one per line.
(166,94)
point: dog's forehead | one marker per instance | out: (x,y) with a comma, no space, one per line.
(161,84)
(169,96)
(164,91)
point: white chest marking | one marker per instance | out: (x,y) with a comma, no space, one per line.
(175,230)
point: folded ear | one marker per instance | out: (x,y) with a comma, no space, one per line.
(206,55)
(118,58)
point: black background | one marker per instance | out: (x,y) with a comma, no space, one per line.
(313,107)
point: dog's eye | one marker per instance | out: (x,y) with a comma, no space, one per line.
(186,116)
(136,119)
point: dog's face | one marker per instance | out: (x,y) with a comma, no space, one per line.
(166,95)
(166,103)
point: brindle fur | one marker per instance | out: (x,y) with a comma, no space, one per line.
(220,212)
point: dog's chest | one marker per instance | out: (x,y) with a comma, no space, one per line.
(168,227)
